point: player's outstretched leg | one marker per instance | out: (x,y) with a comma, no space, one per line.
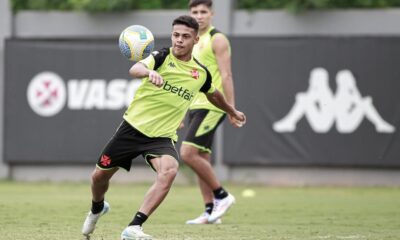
(221,206)
(100,182)
(91,220)
(134,232)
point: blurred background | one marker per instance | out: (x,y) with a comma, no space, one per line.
(318,80)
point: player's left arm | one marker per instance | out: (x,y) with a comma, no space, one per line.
(221,48)
(238,119)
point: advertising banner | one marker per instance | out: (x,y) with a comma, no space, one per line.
(316,101)
(310,101)
(64,99)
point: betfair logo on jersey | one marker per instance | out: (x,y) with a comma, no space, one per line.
(181,92)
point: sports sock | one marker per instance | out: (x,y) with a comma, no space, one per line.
(209,207)
(220,193)
(97,206)
(139,219)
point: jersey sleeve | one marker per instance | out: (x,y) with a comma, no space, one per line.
(156,59)
(149,62)
(208,87)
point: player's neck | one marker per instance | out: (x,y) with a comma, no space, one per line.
(204,30)
(183,58)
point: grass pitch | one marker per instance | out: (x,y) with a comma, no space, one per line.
(41,211)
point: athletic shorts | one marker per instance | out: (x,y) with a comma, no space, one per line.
(128,143)
(202,125)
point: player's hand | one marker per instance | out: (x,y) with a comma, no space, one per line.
(155,78)
(237,119)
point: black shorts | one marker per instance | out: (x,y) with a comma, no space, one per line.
(128,143)
(202,125)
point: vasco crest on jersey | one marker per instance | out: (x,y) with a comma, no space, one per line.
(195,74)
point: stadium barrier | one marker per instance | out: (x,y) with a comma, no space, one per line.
(310,101)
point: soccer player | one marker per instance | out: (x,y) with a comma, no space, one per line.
(213,50)
(171,80)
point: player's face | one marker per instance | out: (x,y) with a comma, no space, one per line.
(183,39)
(203,15)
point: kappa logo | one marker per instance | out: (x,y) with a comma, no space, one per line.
(346,108)
(171,64)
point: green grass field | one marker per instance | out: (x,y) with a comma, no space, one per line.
(40,211)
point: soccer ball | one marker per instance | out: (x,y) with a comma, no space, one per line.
(136,42)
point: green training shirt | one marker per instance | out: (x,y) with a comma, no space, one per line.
(157,112)
(204,53)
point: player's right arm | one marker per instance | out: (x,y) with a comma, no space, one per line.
(140,70)
(148,66)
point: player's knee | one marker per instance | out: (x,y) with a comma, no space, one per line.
(168,174)
(99,177)
(172,171)
(186,154)
(96,177)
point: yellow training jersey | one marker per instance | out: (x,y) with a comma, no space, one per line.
(157,112)
(204,53)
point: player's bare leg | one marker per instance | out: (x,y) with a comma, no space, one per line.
(208,198)
(190,155)
(167,168)
(222,200)
(100,183)
(206,191)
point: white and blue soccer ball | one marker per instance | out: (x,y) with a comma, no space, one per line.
(136,42)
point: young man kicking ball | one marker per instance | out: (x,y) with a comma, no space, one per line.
(171,80)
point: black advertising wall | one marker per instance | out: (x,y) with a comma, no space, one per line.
(316,101)
(309,101)
(63,99)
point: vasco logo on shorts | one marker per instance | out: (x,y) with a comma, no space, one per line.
(181,92)
(105,160)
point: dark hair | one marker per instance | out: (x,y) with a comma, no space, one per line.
(195,3)
(188,21)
